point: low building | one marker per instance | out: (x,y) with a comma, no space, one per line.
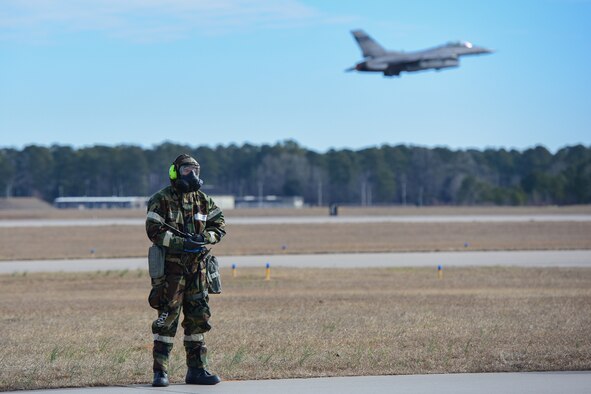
(225,202)
(270,202)
(114,202)
(101,202)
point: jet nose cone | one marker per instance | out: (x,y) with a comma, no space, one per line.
(482,50)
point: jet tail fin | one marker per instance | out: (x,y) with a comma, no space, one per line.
(368,45)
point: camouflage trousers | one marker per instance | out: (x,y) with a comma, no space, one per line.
(181,288)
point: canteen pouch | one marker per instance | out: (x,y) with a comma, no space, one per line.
(156,261)
(214,281)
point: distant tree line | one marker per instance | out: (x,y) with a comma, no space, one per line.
(387,174)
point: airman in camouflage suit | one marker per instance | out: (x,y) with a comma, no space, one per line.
(182,219)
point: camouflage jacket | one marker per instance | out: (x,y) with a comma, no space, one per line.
(192,213)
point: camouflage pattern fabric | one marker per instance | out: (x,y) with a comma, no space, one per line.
(161,354)
(193,301)
(196,354)
(184,284)
(193,213)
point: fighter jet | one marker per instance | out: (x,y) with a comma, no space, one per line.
(392,63)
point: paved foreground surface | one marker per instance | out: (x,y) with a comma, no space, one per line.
(506,383)
(550,258)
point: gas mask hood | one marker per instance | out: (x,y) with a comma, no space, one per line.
(184,174)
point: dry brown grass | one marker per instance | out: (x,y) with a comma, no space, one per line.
(131,241)
(93,329)
(53,213)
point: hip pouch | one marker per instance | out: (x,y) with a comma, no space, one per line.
(156,256)
(157,297)
(214,281)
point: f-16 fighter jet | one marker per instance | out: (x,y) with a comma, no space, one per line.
(392,63)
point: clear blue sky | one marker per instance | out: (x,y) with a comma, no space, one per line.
(232,71)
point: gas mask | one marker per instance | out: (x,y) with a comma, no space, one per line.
(188,178)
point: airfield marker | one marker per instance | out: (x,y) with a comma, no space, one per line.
(233,270)
(440,272)
(268,272)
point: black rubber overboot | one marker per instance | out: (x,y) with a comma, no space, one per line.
(160,379)
(201,376)
(197,364)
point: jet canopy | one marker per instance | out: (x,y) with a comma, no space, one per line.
(460,44)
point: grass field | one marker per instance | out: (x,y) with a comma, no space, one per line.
(94,329)
(131,241)
(52,213)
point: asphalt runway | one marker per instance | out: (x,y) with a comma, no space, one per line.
(483,383)
(551,258)
(310,220)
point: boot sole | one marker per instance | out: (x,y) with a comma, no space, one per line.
(203,383)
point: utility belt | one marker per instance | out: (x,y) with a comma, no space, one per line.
(185,259)
(158,256)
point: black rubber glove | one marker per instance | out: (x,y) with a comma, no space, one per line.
(194,244)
